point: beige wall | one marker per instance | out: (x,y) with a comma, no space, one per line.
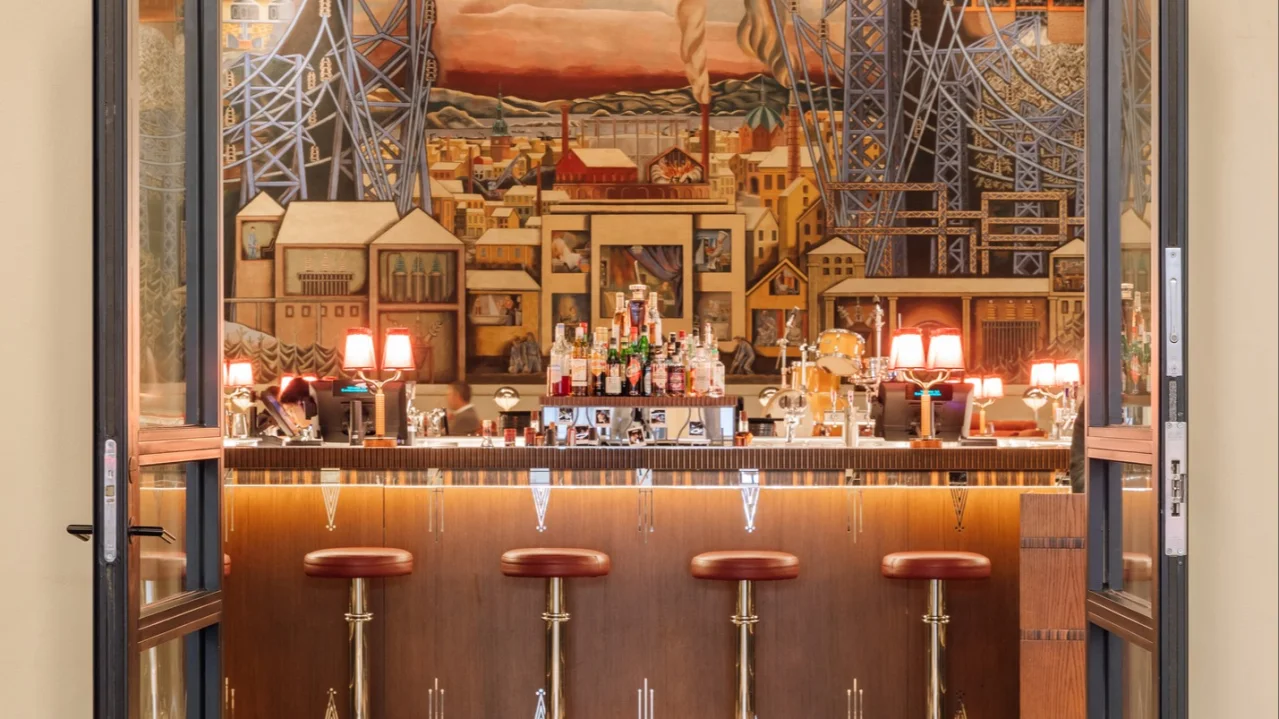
(46,326)
(45,199)
(1232,463)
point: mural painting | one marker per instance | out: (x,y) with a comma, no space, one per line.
(551,154)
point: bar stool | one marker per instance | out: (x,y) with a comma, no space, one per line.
(555,565)
(937,567)
(358,564)
(745,568)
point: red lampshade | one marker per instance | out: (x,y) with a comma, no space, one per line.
(239,373)
(976,383)
(1043,373)
(398,352)
(1067,373)
(992,387)
(907,351)
(359,350)
(946,349)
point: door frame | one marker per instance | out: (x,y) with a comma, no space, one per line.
(122,628)
(1113,620)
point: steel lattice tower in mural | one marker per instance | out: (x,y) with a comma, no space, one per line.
(893,87)
(356,83)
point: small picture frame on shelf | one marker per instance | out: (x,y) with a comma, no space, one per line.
(585,435)
(657,418)
(603,417)
(565,415)
(635,436)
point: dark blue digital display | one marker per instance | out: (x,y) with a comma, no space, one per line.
(354,389)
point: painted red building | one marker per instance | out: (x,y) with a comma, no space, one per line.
(595,165)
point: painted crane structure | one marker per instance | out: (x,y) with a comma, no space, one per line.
(335,108)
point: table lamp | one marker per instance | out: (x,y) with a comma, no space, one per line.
(506,398)
(397,355)
(945,353)
(986,389)
(238,375)
(1047,374)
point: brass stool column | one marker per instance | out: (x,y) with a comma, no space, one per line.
(936,567)
(358,564)
(745,568)
(555,565)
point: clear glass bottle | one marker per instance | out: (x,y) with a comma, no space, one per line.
(599,362)
(660,372)
(557,370)
(580,363)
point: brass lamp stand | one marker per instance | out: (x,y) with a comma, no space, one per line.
(945,354)
(397,355)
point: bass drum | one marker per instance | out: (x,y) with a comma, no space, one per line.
(840,352)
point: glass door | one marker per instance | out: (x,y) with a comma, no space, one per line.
(157,404)
(1136,399)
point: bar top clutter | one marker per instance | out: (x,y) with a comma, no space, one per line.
(801,456)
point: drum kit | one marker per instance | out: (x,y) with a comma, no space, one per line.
(814,387)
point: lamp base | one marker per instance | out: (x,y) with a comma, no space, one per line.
(925,444)
(380,442)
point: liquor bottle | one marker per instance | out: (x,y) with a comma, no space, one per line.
(621,320)
(580,363)
(675,372)
(716,367)
(701,365)
(613,385)
(599,362)
(636,308)
(634,366)
(557,369)
(743,437)
(691,348)
(654,322)
(660,372)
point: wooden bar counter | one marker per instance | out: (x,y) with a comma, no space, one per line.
(457,625)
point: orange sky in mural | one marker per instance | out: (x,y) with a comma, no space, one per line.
(550,49)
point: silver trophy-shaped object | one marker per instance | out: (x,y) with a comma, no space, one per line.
(435,419)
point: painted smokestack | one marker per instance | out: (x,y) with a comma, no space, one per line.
(563,130)
(706,141)
(792,143)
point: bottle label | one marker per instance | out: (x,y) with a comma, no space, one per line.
(613,385)
(676,381)
(556,374)
(701,381)
(633,371)
(660,378)
(579,372)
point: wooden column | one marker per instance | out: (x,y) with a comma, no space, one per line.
(1053,625)
(892,315)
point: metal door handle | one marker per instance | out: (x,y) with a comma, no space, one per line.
(82,532)
(146,531)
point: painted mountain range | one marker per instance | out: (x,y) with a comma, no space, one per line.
(453,109)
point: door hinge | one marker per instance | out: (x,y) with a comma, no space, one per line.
(1175,475)
(1174,294)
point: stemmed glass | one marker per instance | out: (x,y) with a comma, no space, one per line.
(1035,399)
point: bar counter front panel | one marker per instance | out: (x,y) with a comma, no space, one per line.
(457,639)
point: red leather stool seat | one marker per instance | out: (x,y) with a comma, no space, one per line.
(935,565)
(358,563)
(753,565)
(1137,567)
(548,563)
(170,565)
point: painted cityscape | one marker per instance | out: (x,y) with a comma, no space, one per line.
(479,170)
